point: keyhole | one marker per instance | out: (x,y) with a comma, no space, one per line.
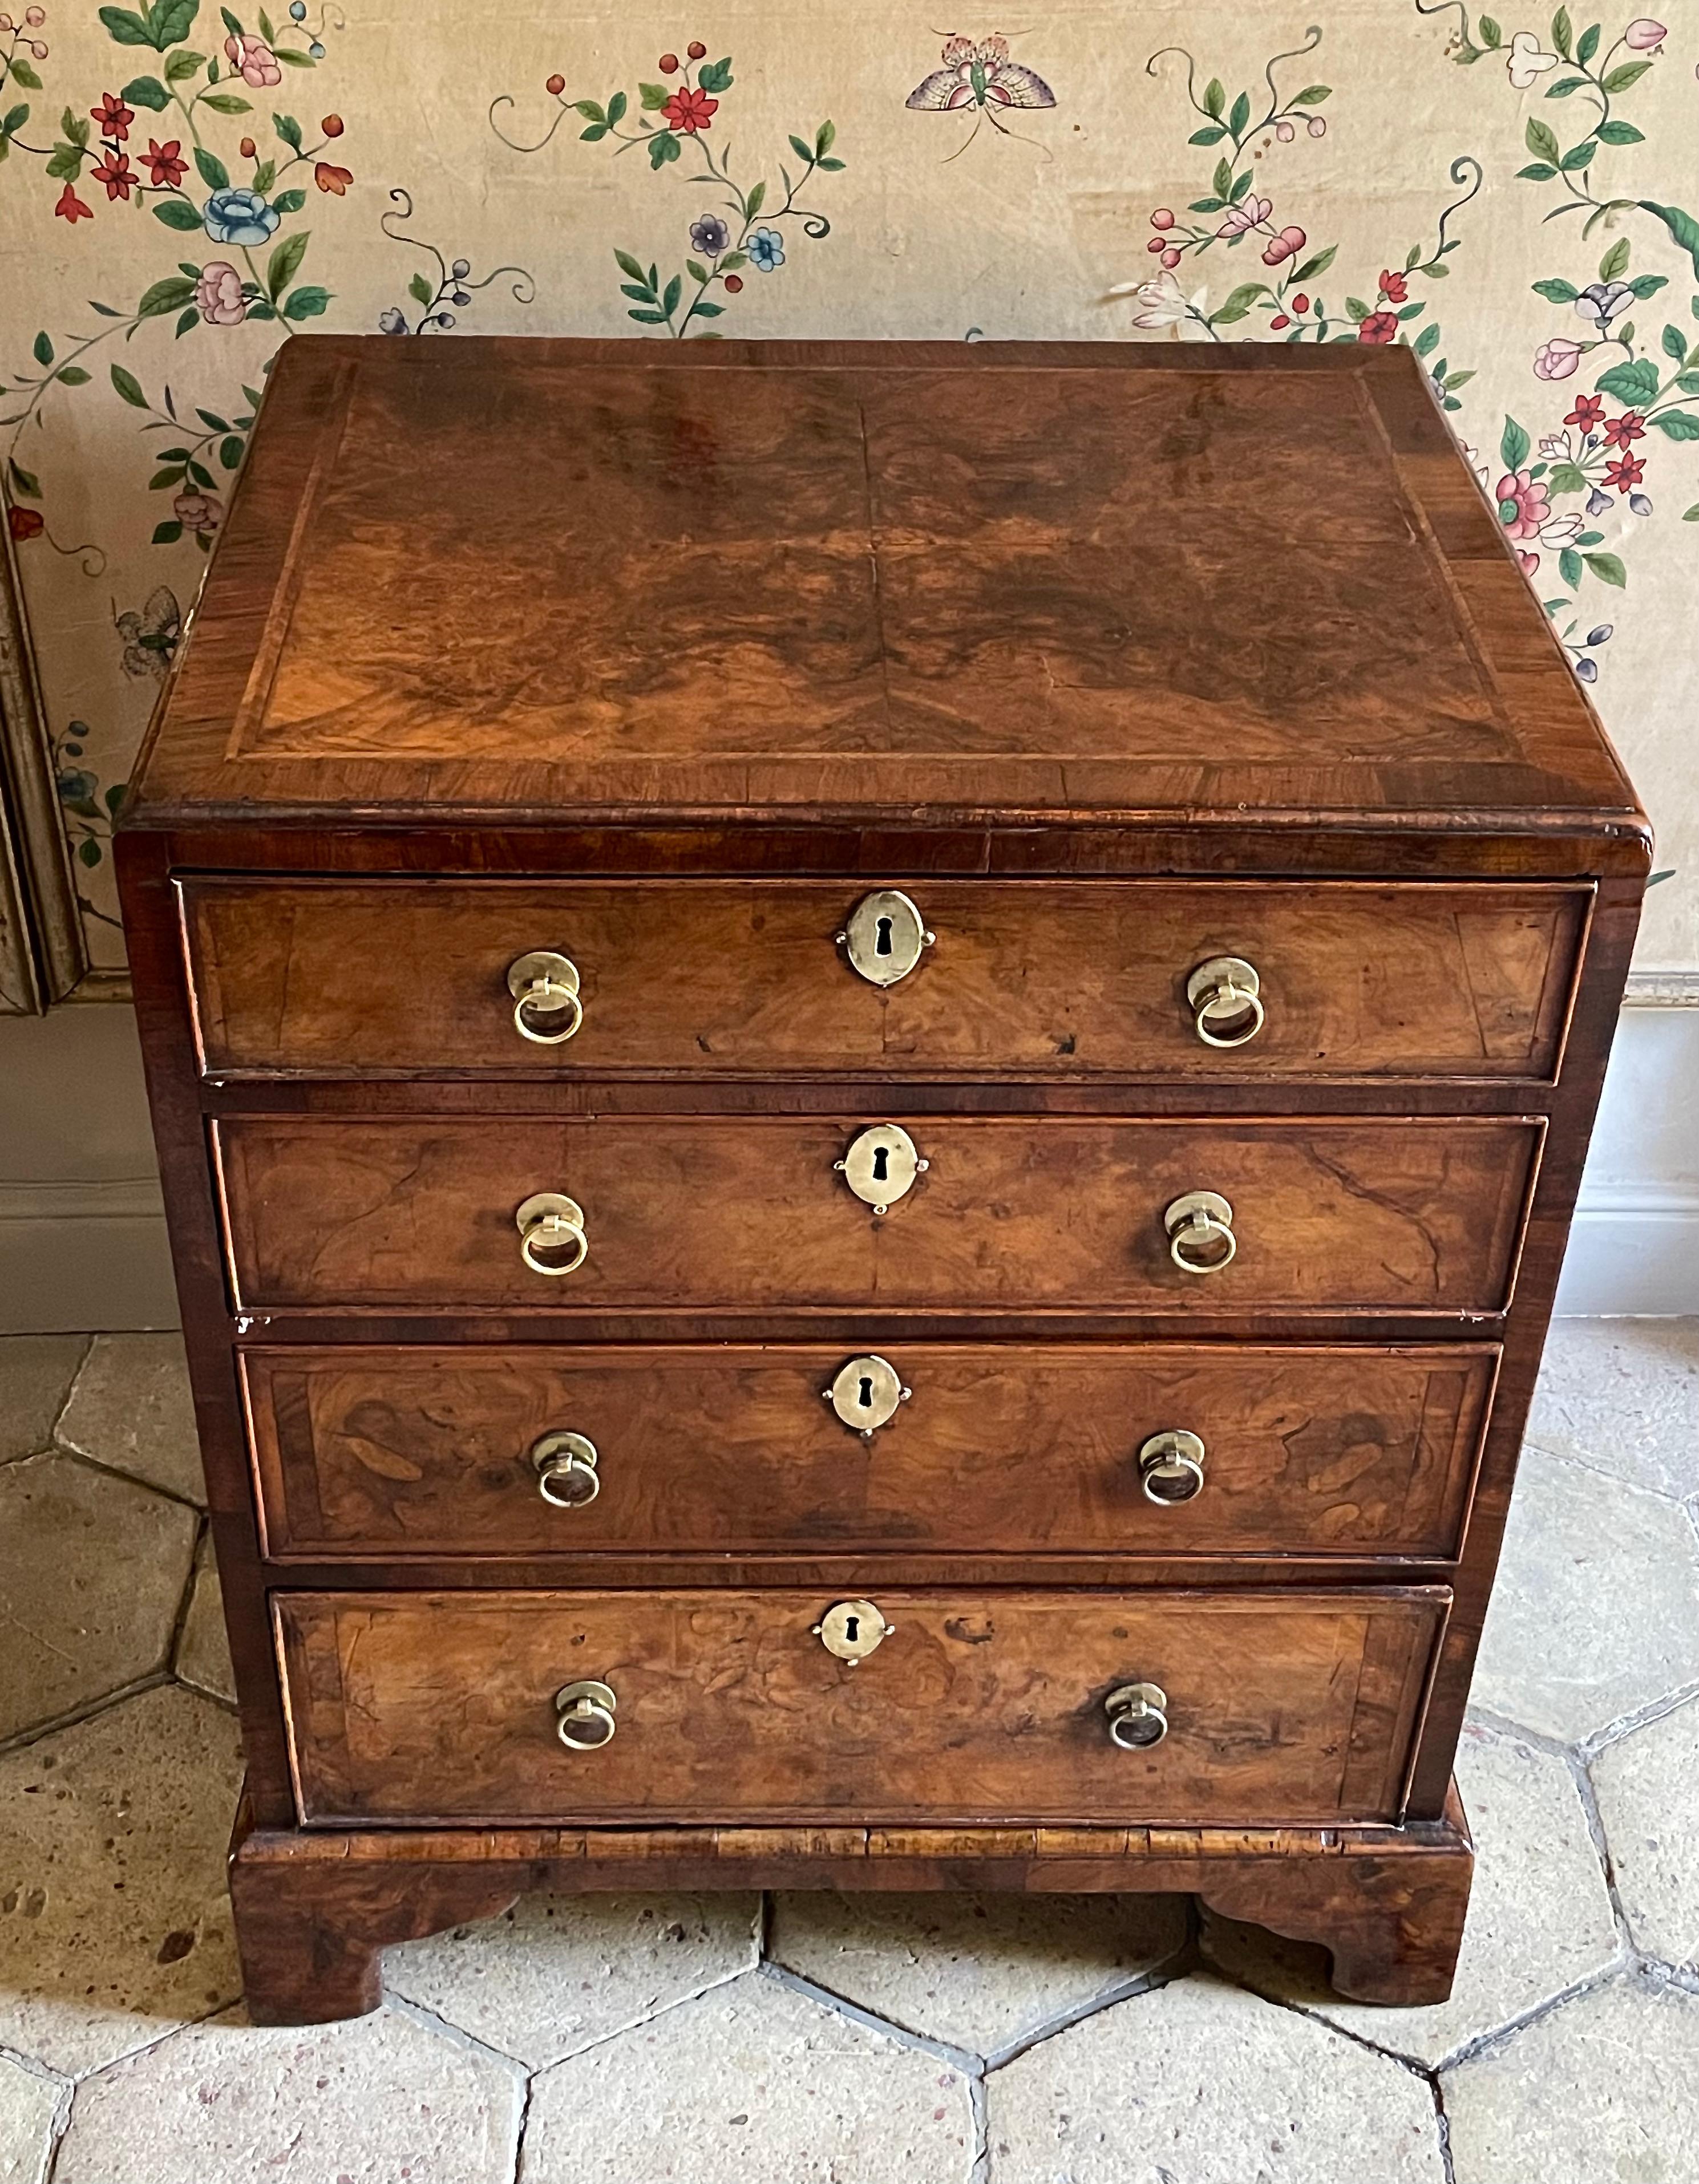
(882,945)
(851,1627)
(881,1154)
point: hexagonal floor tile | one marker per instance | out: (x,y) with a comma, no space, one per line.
(35,1373)
(1606,2089)
(1539,1914)
(1201,2081)
(132,1408)
(1648,1792)
(203,1656)
(753,2084)
(1623,1395)
(384,2098)
(979,1971)
(29,2109)
(92,1575)
(115,1922)
(556,1973)
(1597,1609)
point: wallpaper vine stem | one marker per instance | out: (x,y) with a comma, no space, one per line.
(183,186)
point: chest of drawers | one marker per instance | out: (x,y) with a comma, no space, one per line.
(870,1062)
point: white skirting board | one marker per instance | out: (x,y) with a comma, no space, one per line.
(82,1237)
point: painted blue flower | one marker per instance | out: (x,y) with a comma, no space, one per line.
(710,235)
(240,216)
(766,248)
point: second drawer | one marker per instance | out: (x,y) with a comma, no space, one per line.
(742,1448)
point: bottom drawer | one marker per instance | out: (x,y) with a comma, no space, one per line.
(1282,1708)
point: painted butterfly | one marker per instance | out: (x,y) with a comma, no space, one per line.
(978,73)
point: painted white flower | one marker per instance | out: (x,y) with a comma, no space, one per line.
(1561,530)
(1157,303)
(1527,60)
(1555,447)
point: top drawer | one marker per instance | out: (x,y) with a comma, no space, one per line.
(1048,979)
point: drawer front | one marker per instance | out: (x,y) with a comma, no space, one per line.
(1283,1708)
(1063,979)
(731,1449)
(1387,1215)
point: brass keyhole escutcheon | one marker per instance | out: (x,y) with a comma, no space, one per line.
(866,1393)
(851,1630)
(881,1165)
(885,937)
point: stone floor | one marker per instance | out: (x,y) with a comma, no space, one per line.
(817,2039)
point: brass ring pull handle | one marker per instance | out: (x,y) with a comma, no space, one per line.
(584,1716)
(566,1475)
(1200,1232)
(1138,1716)
(551,1234)
(1222,994)
(1171,1468)
(545,987)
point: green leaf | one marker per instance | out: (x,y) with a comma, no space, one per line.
(124,27)
(616,110)
(654,97)
(1569,567)
(1318,264)
(188,322)
(1691,514)
(165,296)
(1212,134)
(699,274)
(627,265)
(1456,378)
(1560,292)
(285,262)
(14,120)
(129,386)
(593,133)
(1673,424)
(715,76)
(590,109)
(1688,382)
(1241,184)
(264,176)
(1683,227)
(231,23)
(1541,142)
(824,137)
(1648,284)
(163,481)
(22,73)
(1633,384)
(419,288)
(803,151)
(1513,445)
(213,171)
(147,91)
(663,148)
(1488,32)
(24,482)
(1566,86)
(290,59)
(1620,132)
(1581,156)
(1568,477)
(1587,45)
(1313,93)
(1537,173)
(288,129)
(733,260)
(175,212)
(1356,309)
(1561,31)
(1614,263)
(1240,114)
(1619,79)
(648,318)
(669,301)
(75,125)
(230,451)
(1608,569)
(756,199)
(1428,341)
(171,20)
(306,303)
(1214,99)
(288,201)
(179,67)
(73,376)
(224,102)
(639,291)
(88,851)
(1675,343)
(1237,305)
(43,348)
(710,310)
(66,163)
(1223,182)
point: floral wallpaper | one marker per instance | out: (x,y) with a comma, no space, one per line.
(183,186)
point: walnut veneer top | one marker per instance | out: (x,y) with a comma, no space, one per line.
(516,580)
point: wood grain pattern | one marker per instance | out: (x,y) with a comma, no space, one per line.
(1417,1217)
(730,1449)
(706,978)
(979,1705)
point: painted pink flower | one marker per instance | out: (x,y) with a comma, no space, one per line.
(218,295)
(1527,563)
(1645,35)
(253,60)
(199,511)
(1285,131)
(1523,504)
(1287,244)
(1557,358)
(1242,218)
(1378,328)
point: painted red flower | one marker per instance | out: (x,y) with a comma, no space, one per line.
(1395,287)
(690,109)
(24,523)
(1625,473)
(163,162)
(71,207)
(1378,328)
(114,116)
(333,181)
(1622,431)
(115,171)
(1588,410)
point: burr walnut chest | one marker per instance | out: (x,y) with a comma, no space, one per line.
(870,1062)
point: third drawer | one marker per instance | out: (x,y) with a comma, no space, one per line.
(977,1448)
